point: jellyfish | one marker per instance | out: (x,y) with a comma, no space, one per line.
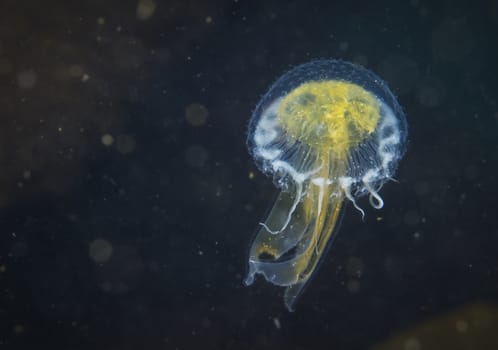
(327,132)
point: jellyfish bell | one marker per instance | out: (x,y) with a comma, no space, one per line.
(286,133)
(326,131)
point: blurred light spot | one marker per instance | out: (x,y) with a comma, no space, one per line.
(344,46)
(5,66)
(354,266)
(411,218)
(26,174)
(145,9)
(196,114)
(399,71)
(206,323)
(107,140)
(276,322)
(129,53)
(209,19)
(26,79)
(121,273)
(100,251)
(353,286)
(412,344)
(101,20)
(422,188)
(452,40)
(477,321)
(362,60)
(196,156)
(431,92)
(125,144)
(462,326)
(471,172)
(163,54)
(393,267)
(84,78)
(18,328)
(19,249)
(75,71)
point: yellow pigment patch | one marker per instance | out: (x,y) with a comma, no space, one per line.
(329,115)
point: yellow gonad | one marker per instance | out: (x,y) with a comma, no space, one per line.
(326,131)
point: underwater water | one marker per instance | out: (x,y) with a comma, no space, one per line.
(129,200)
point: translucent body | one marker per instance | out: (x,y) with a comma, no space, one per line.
(326,131)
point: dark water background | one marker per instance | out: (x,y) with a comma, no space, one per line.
(128,199)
